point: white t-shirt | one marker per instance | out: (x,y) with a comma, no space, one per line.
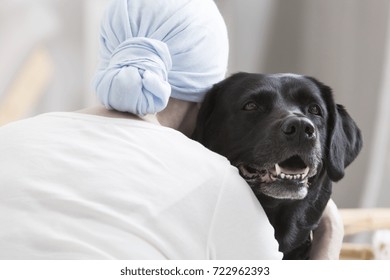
(76,186)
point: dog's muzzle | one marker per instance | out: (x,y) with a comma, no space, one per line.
(287,173)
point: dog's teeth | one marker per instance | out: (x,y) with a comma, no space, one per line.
(277,169)
(291,177)
(306,172)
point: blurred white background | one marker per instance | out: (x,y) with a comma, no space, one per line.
(49,51)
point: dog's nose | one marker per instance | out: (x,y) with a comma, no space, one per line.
(295,128)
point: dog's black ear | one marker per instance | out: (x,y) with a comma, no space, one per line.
(207,127)
(205,113)
(344,140)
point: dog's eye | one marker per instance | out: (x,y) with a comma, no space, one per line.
(250,106)
(315,110)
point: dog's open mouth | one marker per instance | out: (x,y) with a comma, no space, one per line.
(287,179)
(293,168)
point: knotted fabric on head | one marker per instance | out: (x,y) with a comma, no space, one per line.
(155,49)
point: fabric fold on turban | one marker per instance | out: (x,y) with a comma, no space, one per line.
(155,49)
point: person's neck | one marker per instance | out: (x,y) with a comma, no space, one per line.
(104,112)
(179,115)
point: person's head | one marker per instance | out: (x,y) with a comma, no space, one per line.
(153,51)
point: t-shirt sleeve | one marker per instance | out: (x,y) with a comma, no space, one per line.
(240,228)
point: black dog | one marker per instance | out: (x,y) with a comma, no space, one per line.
(288,139)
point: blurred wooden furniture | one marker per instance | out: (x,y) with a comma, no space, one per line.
(358,221)
(27,87)
(26,66)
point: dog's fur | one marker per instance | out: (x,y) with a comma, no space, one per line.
(288,139)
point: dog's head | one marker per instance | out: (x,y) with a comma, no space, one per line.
(280,130)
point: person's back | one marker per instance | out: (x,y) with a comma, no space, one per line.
(92,187)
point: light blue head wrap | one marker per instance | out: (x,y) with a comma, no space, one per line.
(155,49)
